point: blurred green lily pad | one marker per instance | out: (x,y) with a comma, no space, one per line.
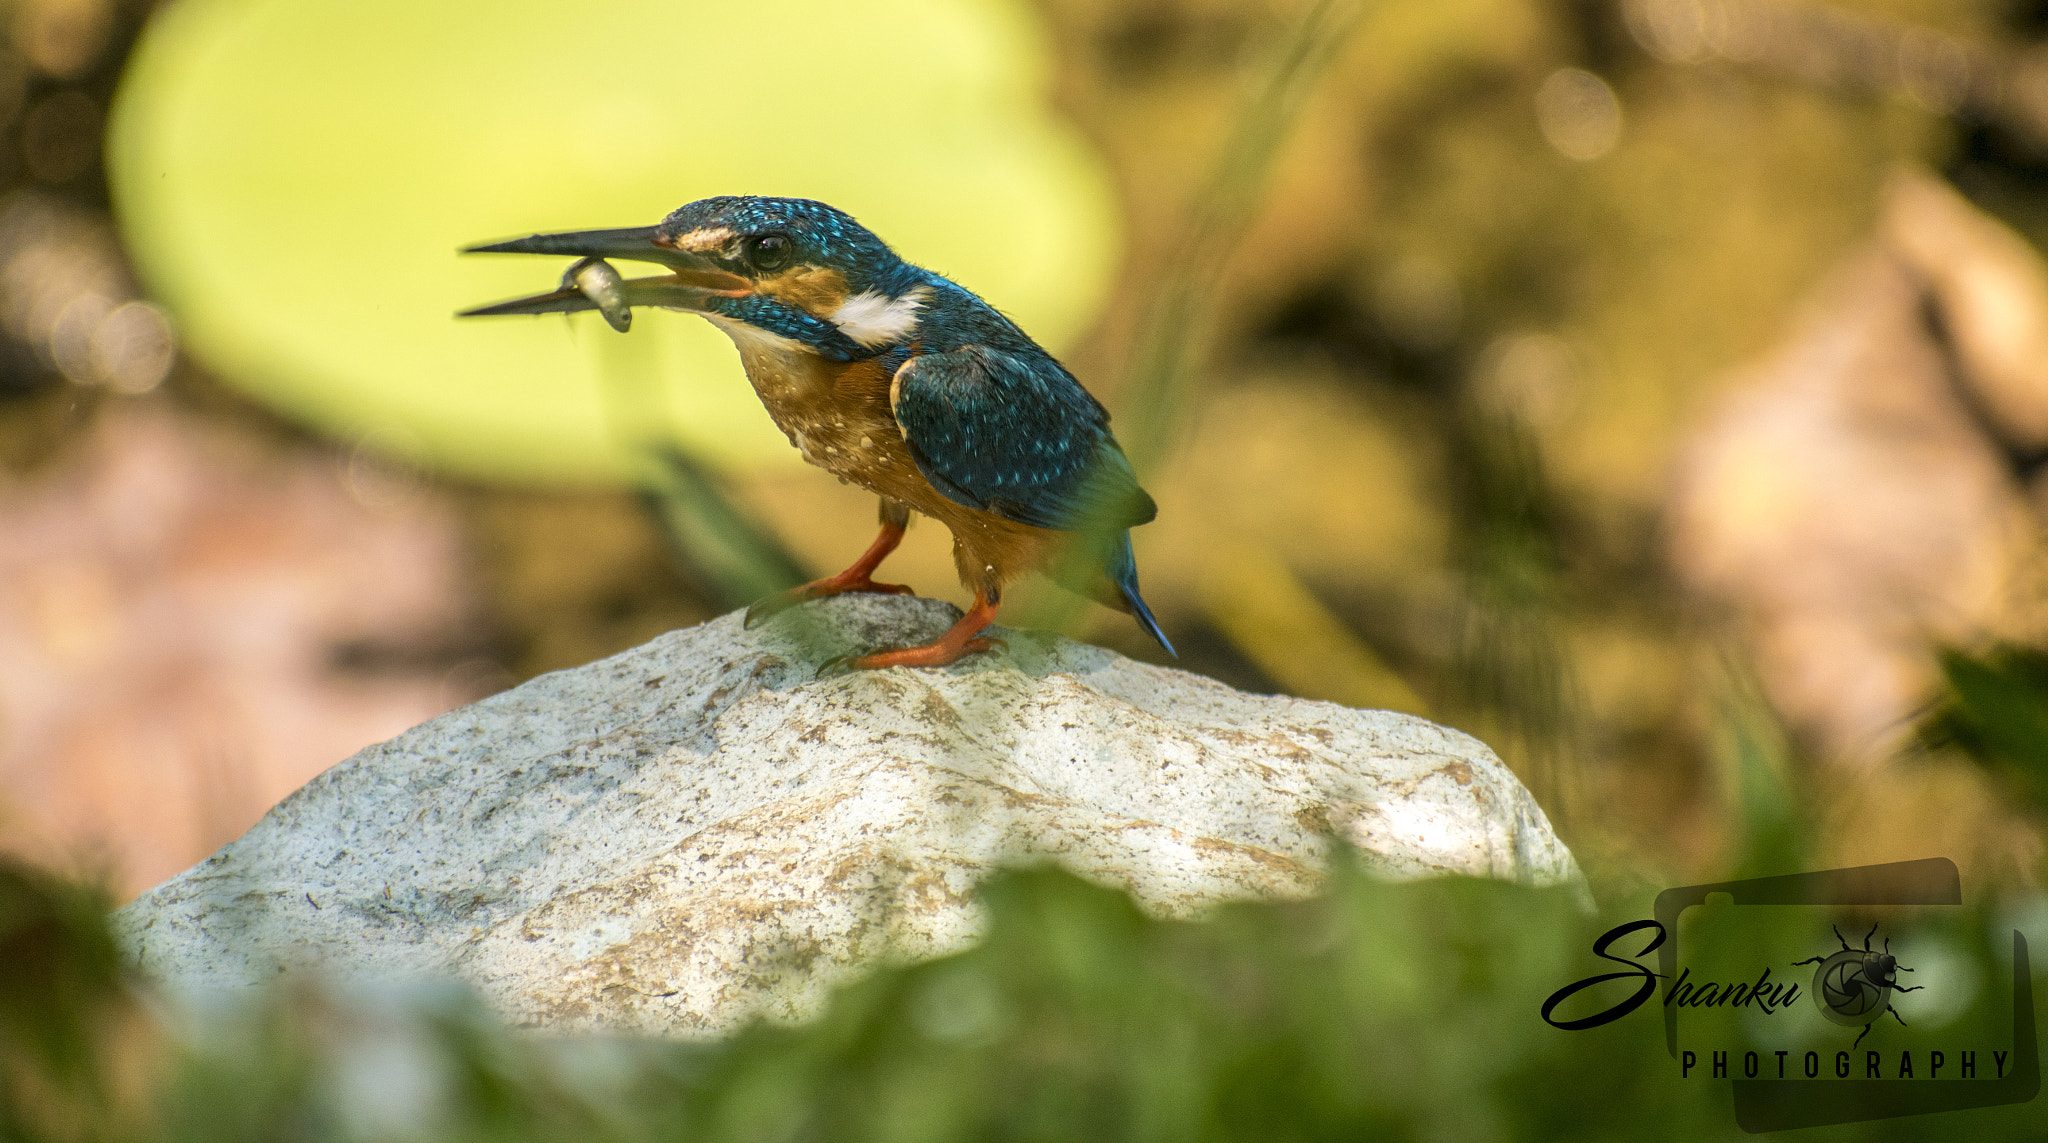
(294,179)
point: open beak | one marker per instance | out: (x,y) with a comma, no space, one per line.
(592,283)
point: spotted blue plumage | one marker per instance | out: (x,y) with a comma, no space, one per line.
(1017,438)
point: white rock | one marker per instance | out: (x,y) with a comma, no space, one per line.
(699,830)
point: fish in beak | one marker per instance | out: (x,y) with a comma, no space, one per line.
(591,282)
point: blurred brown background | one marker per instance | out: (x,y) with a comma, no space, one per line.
(1646,387)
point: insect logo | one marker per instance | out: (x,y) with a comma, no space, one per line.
(1854,986)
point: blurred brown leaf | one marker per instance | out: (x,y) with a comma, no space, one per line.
(1849,501)
(194,621)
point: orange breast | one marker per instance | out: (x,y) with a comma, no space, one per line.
(838,415)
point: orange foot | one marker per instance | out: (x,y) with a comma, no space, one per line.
(859,577)
(962,639)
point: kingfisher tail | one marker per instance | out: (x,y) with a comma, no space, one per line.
(1123,571)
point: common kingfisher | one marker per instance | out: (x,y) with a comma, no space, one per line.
(895,378)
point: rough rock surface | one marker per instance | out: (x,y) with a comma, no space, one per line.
(701,830)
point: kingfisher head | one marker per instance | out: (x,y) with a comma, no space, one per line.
(791,273)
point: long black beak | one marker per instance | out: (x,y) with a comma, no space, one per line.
(631,244)
(591,283)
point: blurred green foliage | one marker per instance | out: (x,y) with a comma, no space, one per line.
(1165,364)
(1996,712)
(59,975)
(1376,1011)
(735,560)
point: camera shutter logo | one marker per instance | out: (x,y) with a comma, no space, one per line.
(1853,987)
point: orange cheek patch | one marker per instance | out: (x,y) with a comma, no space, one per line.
(814,289)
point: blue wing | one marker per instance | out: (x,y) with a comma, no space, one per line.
(1017,437)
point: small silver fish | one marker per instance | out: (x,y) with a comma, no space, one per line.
(602,284)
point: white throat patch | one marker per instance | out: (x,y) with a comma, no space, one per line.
(874,319)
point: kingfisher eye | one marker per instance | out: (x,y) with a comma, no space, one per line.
(769,251)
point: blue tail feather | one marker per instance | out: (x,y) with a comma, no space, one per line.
(1123,571)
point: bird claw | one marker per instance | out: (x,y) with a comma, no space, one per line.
(768,607)
(929,655)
